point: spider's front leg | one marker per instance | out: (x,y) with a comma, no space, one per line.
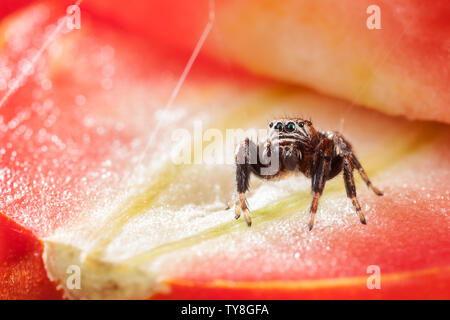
(321,168)
(246,155)
(248,161)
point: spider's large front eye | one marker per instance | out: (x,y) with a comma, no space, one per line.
(290,127)
(279,126)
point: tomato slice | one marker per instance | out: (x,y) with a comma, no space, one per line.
(86,172)
(22,271)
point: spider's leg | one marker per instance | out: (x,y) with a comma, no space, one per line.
(350,187)
(246,155)
(244,208)
(346,149)
(229,204)
(363,175)
(321,168)
(249,161)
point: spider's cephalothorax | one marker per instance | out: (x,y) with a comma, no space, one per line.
(294,145)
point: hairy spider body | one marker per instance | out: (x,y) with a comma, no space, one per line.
(294,145)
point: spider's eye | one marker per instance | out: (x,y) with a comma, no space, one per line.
(290,127)
(301,124)
(279,126)
(271,125)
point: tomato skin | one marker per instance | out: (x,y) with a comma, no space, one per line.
(417,287)
(22,272)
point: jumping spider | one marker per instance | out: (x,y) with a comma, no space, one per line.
(294,144)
